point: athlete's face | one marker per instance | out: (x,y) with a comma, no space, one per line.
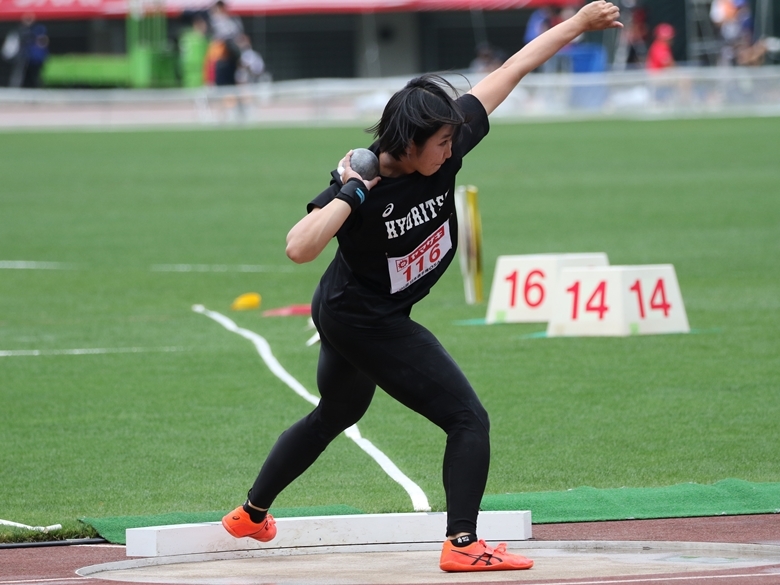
(428,158)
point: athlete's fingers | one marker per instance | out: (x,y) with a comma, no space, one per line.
(601,14)
(344,168)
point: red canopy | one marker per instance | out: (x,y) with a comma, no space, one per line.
(59,9)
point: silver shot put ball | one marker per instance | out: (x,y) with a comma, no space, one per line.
(364,163)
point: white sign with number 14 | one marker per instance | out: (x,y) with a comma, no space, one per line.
(617,300)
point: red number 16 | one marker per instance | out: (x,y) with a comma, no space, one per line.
(527,288)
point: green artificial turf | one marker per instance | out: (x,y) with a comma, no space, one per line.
(582,504)
(585,504)
(184,430)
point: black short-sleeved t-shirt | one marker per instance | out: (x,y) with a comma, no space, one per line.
(398,243)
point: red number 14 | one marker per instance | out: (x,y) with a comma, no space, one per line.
(597,303)
(657,299)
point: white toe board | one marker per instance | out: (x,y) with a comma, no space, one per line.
(321,531)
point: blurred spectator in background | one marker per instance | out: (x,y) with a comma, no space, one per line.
(659,58)
(723,14)
(15,49)
(636,34)
(577,56)
(734,21)
(659,55)
(747,51)
(37,55)
(27,47)
(224,51)
(193,45)
(488,59)
(251,67)
(539,21)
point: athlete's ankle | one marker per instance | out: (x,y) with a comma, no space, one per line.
(463,539)
(256,514)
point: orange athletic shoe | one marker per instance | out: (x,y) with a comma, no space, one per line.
(238,524)
(478,556)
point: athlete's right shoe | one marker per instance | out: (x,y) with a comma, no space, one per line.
(239,524)
(478,556)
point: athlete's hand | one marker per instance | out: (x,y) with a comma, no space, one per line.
(599,15)
(346,172)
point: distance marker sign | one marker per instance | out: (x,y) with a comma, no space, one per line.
(522,285)
(617,301)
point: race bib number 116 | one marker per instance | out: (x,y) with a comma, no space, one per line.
(424,258)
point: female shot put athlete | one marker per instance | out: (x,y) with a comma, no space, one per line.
(397,236)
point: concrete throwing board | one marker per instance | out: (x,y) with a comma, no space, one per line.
(321,531)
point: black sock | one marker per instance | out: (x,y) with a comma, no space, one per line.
(464,540)
(255,515)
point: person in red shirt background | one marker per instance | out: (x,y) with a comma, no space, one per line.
(659,56)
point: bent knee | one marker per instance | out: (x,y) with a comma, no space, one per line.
(482,418)
(329,420)
(473,419)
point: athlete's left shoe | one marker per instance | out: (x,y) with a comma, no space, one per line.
(240,525)
(478,556)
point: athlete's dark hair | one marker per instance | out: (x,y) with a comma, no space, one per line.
(415,113)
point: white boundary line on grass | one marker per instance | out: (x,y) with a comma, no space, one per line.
(35,528)
(32,265)
(219,268)
(419,499)
(85,351)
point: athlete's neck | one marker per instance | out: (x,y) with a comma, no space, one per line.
(391,168)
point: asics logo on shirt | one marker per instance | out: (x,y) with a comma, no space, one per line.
(418,215)
(388,210)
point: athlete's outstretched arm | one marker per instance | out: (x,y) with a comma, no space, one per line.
(496,86)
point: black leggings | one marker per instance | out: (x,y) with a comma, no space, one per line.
(408,362)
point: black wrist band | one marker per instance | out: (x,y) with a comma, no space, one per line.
(353,192)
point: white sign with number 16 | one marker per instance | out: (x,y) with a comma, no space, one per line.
(522,285)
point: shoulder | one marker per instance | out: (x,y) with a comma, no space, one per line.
(470,104)
(476,126)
